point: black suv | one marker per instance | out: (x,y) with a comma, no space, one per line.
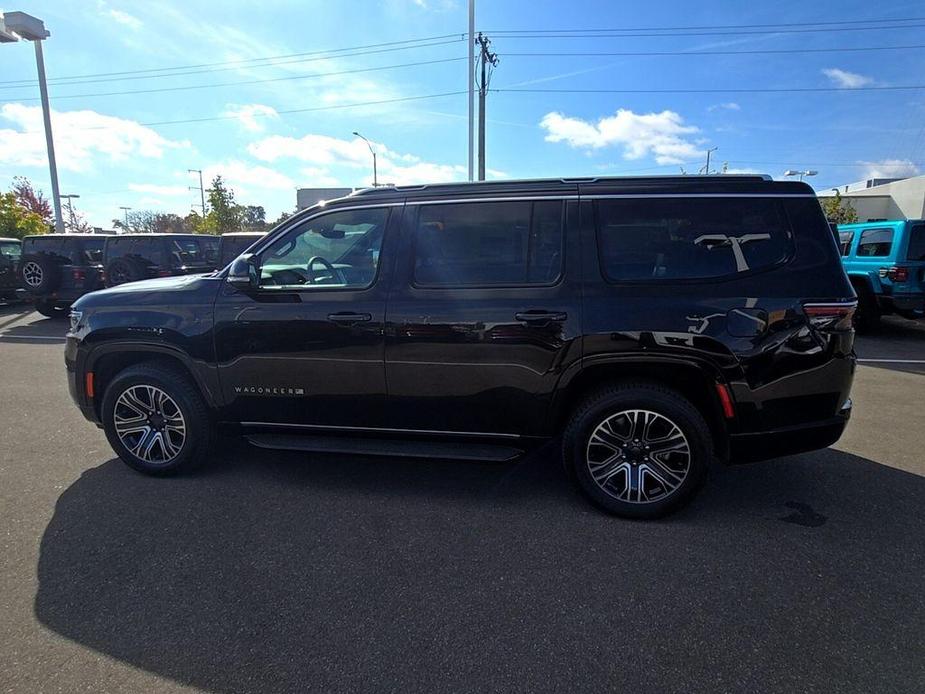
(654,324)
(233,244)
(10,252)
(57,269)
(134,257)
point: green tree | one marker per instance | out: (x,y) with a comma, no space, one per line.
(839,211)
(224,215)
(150,222)
(17,221)
(253,218)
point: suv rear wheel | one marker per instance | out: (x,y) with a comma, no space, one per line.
(156,420)
(51,310)
(637,450)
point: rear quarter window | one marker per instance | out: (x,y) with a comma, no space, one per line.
(652,239)
(916,242)
(875,243)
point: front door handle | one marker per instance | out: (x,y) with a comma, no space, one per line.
(348,317)
(540,316)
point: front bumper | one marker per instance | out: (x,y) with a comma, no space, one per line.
(76,380)
(764,445)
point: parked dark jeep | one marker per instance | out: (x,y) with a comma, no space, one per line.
(57,269)
(653,325)
(10,252)
(233,244)
(134,257)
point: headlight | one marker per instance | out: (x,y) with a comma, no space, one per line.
(75,320)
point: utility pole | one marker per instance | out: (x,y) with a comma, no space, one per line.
(710,151)
(125,209)
(471,83)
(486,58)
(201,189)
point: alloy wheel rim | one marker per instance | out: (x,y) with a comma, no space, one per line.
(32,273)
(638,456)
(149,423)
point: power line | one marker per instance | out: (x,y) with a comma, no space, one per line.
(236,64)
(208,119)
(696,53)
(733,90)
(587,34)
(241,82)
(721,26)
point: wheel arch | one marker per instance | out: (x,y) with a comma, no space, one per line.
(106,361)
(694,380)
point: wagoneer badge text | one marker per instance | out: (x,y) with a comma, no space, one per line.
(267,390)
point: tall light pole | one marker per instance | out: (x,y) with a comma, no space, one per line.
(706,169)
(202,192)
(471,82)
(369,144)
(801,174)
(13,27)
(70,208)
(125,209)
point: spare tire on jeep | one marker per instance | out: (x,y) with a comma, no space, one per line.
(122,270)
(39,273)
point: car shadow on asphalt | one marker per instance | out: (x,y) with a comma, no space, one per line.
(280,571)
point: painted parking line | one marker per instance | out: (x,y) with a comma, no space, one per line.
(892,361)
(7,336)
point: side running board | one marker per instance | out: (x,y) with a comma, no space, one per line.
(387,447)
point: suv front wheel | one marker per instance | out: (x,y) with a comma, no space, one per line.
(155,419)
(637,450)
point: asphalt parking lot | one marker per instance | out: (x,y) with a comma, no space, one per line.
(280,572)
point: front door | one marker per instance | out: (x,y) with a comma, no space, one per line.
(306,347)
(483,317)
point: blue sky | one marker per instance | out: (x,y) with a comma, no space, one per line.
(117,150)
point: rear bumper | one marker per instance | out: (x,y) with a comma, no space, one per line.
(752,447)
(909,302)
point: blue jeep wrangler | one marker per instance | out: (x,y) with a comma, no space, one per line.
(885,262)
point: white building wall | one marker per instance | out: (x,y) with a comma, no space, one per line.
(902,199)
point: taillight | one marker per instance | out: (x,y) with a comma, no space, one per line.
(163,273)
(897,273)
(78,275)
(833,316)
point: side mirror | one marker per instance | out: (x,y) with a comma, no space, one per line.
(244,273)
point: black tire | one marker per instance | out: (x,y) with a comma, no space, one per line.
(122,271)
(607,404)
(188,401)
(39,274)
(51,310)
(867,315)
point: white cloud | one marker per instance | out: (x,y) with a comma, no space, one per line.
(252,117)
(244,178)
(726,105)
(155,189)
(845,79)
(660,135)
(80,137)
(889,168)
(125,18)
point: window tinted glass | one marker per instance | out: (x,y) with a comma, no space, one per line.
(233,246)
(491,243)
(340,249)
(686,238)
(844,241)
(148,250)
(916,242)
(92,250)
(10,250)
(52,246)
(875,242)
(186,251)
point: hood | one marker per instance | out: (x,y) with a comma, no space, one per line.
(162,290)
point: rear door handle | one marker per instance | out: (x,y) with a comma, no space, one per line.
(540,316)
(347,317)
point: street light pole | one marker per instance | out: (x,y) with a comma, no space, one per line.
(125,209)
(13,27)
(70,208)
(373,152)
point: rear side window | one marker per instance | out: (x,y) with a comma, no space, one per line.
(148,250)
(690,238)
(10,250)
(875,242)
(52,246)
(488,244)
(92,251)
(916,242)
(844,241)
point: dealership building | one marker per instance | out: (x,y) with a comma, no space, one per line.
(884,198)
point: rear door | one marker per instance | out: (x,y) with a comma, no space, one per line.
(915,257)
(484,315)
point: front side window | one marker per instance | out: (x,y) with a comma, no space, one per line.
(690,238)
(875,243)
(336,250)
(844,241)
(488,244)
(916,242)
